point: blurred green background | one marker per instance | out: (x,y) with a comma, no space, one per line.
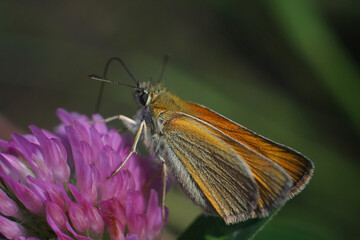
(285,69)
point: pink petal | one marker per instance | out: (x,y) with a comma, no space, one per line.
(154,215)
(65,116)
(136,222)
(72,137)
(87,152)
(48,191)
(7,206)
(30,200)
(96,223)
(103,166)
(153,208)
(112,187)
(77,236)
(93,215)
(82,131)
(131,236)
(77,195)
(115,228)
(35,158)
(11,229)
(34,185)
(24,238)
(87,177)
(96,140)
(99,125)
(56,229)
(113,139)
(14,167)
(78,217)
(61,168)
(113,208)
(138,200)
(57,215)
(55,152)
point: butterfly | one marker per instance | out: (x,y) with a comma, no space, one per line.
(223,167)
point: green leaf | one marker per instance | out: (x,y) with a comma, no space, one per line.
(214,228)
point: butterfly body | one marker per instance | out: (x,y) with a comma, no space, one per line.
(223,167)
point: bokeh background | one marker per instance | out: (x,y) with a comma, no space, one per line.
(285,69)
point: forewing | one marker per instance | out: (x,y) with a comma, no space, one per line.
(273,182)
(219,166)
(222,176)
(295,164)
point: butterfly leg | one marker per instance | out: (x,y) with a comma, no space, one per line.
(133,148)
(164,178)
(129,123)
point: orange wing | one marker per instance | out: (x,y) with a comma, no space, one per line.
(220,167)
(295,164)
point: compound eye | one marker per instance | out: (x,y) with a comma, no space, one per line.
(143,97)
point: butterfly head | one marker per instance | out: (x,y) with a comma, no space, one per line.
(146,92)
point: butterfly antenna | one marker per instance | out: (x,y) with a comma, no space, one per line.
(166,60)
(97,107)
(104,80)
